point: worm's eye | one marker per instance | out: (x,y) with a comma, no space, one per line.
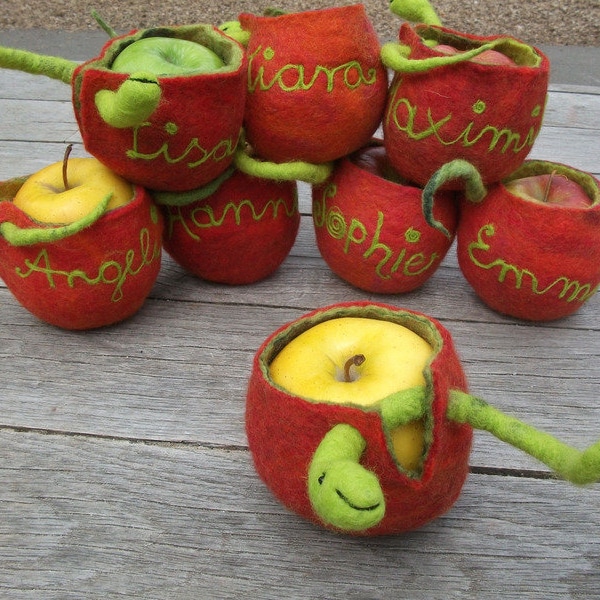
(321,479)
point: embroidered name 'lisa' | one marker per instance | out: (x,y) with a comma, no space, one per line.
(565,288)
(203,216)
(110,272)
(294,77)
(352,232)
(404,115)
(194,154)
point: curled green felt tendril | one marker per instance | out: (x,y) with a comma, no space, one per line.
(475,191)
(37,64)
(185,198)
(29,236)
(415,11)
(286,171)
(103,24)
(576,466)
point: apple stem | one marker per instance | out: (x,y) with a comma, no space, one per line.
(549,185)
(65,163)
(356,360)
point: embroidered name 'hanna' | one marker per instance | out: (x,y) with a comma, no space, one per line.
(565,288)
(293,78)
(352,232)
(110,272)
(203,216)
(404,115)
(194,153)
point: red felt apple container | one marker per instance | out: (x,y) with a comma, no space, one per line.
(191,136)
(90,278)
(370,227)
(237,234)
(484,109)
(530,259)
(316,84)
(284,430)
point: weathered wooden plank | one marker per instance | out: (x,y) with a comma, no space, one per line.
(87,518)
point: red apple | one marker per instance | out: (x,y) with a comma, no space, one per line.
(550,188)
(239,234)
(487,57)
(370,227)
(528,258)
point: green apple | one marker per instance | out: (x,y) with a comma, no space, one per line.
(166,56)
(67,191)
(357,361)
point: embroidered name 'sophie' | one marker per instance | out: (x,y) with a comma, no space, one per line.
(294,77)
(203,216)
(352,232)
(565,288)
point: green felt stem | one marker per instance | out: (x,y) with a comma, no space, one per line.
(415,11)
(37,64)
(397,57)
(475,191)
(576,466)
(342,492)
(287,171)
(17,236)
(103,24)
(185,198)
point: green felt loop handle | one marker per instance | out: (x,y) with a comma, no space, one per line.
(576,466)
(185,198)
(286,171)
(475,190)
(37,64)
(28,236)
(397,57)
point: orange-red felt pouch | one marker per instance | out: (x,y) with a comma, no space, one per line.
(460,96)
(88,274)
(316,84)
(175,132)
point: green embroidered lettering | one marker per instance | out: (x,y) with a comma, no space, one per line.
(110,272)
(293,77)
(571,289)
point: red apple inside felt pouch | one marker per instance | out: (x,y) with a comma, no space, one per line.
(484,109)
(284,430)
(316,84)
(370,227)
(190,137)
(238,233)
(89,278)
(531,248)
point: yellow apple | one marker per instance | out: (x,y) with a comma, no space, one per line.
(66,191)
(357,361)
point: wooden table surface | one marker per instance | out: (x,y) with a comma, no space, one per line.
(124,465)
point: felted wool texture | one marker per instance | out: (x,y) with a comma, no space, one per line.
(488,115)
(192,135)
(239,234)
(531,260)
(92,278)
(372,232)
(285,430)
(316,84)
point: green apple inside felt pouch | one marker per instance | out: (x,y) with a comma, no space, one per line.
(166,56)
